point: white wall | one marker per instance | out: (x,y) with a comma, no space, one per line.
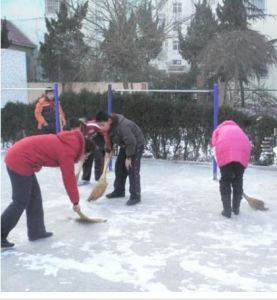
(13,74)
(268,28)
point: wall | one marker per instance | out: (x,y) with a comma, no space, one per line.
(268,28)
(13,74)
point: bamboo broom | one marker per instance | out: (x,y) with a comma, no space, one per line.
(102,184)
(255,203)
(85,219)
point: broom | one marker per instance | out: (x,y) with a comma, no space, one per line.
(101,185)
(255,203)
(85,219)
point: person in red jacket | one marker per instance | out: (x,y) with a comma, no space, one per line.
(23,160)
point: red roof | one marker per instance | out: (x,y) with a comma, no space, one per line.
(17,37)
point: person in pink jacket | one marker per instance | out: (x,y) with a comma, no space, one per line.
(232,150)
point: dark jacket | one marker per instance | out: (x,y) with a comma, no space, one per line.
(126,134)
(45,112)
(30,154)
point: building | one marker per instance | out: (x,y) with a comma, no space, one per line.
(19,41)
(31,20)
(175,14)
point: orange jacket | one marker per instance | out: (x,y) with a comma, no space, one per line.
(44,104)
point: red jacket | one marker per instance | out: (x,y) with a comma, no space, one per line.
(92,128)
(30,154)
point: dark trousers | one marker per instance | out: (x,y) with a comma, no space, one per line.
(50,128)
(121,173)
(25,195)
(231,178)
(98,157)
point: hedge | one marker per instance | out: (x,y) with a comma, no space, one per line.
(175,125)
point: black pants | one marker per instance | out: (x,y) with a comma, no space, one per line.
(121,173)
(25,195)
(98,157)
(50,128)
(232,178)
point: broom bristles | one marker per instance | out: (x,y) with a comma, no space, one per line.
(98,190)
(85,219)
(255,203)
(101,186)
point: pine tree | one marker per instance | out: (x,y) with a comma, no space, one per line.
(232,15)
(132,39)
(5,42)
(63,51)
(202,28)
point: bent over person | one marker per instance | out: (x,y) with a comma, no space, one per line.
(23,160)
(233,148)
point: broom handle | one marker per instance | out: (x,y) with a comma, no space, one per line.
(106,164)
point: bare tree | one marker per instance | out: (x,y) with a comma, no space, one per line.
(237,56)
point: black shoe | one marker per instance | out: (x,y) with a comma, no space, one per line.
(43,236)
(226,214)
(115,195)
(236,211)
(5,243)
(133,201)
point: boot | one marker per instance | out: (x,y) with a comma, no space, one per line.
(5,243)
(133,201)
(115,194)
(226,201)
(236,204)
(43,236)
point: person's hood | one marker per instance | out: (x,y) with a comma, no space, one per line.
(228,122)
(74,141)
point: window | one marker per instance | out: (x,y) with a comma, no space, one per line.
(264,72)
(176,62)
(175,45)
(252,4)
(177,10)
(51,6)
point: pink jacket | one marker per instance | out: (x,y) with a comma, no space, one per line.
(231,144)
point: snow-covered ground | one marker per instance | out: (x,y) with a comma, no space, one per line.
(174,241)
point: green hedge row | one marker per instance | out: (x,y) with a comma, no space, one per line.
(175,125)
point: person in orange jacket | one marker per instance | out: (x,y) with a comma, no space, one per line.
(45,113)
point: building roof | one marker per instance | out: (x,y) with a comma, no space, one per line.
(17,37)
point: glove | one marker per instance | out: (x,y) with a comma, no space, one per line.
(77,208)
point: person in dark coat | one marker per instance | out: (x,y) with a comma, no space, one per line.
(92,131)
(23,160)
(45,113)
(130,139)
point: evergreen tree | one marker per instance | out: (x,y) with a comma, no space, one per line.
(232,15)
(5,42)
(201,29)
(132,39)
(63,51)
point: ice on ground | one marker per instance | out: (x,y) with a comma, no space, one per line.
(175,240)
